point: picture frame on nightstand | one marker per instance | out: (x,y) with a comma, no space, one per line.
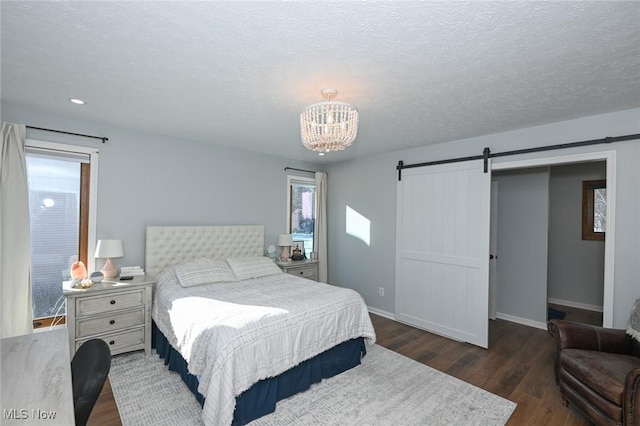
(297,250)
(298,245)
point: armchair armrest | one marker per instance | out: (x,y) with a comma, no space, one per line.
(631,403)
(574,335)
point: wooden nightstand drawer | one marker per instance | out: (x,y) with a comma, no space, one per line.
(304,272)
(107,303)
(121,342)
(109,323)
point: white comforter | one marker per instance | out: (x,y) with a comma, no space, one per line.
(235,334)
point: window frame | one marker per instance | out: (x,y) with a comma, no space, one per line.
(303,180)
(89,181)
(588,188)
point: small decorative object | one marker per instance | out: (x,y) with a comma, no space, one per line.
(314,256)
(271,251)
(285,241)
(108,249)
(81,283)
(96,277)
(298,251)
(78,270)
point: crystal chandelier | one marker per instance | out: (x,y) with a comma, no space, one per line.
(328,126)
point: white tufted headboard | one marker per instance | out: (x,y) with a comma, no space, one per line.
(170,245)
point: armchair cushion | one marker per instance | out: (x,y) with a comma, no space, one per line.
(604,372)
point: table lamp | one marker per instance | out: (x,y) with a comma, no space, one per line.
(285,241)
(108,249)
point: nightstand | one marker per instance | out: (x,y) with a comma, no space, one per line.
(118,312)
(301,268)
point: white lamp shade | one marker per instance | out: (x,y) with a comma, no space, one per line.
(109,248)
(285,240)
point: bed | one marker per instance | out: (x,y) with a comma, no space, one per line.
(241,333)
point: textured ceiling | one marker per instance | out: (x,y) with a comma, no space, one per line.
(239,73)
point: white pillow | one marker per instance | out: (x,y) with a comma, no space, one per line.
(253,267)
(204,271)
(166,277)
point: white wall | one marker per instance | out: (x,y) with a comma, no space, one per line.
(576,266)
(368,186)
(146,179)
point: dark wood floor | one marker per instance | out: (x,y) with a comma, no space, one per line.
(105,412)
(518,366)
(579,315)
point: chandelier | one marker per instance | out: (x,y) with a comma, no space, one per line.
(328,126)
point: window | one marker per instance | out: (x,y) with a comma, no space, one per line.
(301,211)
(60,185)
(594,209)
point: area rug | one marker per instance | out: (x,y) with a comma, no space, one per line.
(387,389)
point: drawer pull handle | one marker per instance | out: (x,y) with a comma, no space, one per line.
(112,322)
(301,272)
(113,302)
(112,342)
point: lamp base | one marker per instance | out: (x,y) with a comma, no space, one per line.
(109,270)
(284,254)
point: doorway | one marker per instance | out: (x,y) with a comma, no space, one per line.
(608,158)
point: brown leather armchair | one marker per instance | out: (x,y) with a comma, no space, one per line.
(598,371)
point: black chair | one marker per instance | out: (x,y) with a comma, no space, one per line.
(89,369)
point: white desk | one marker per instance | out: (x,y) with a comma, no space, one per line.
(35,385)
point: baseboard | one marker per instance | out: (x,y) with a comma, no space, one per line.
(523,321)
(578,305)
(382,313)
(506,317)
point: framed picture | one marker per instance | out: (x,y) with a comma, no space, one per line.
(298,249)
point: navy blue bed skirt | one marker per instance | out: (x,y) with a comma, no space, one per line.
(261,398)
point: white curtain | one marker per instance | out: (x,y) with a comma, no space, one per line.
(15,249)
(320,229)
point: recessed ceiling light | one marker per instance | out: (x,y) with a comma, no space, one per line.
(76,101)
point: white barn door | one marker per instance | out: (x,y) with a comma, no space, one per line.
(442,250)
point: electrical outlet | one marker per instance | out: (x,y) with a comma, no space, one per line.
(381,291)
